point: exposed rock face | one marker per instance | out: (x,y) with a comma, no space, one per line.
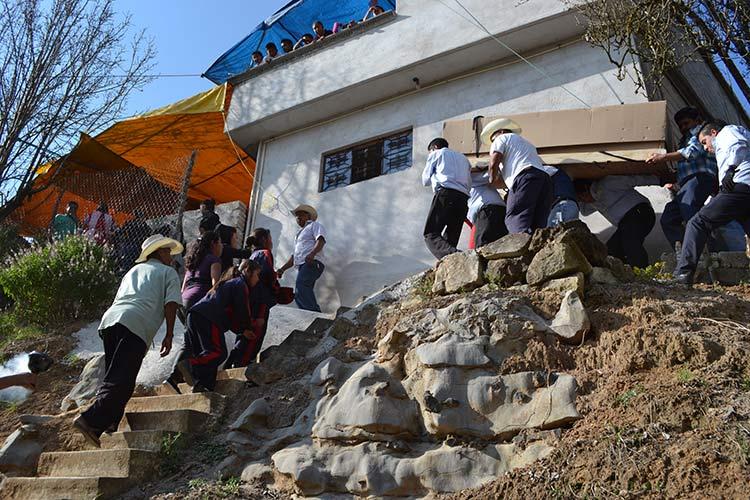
(571,322)
(560,258)
(91,377)
(461,271)
(434,409)
(19,454)
(602,275)
(509,246)
(507,272)
(575,282)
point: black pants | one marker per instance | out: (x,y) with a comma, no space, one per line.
(207,348)
(245,351)
(447,214)
(627,242)
(529,201)
(489,225)
(720,211)
(123,354)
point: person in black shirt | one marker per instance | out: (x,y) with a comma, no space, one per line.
(320,31)
(209,219)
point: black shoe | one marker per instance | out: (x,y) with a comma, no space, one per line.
(684,278)
(89,433)
(173,384)
(200,388)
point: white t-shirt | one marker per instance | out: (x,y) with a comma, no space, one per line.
(518,155)
(305,242)
(732,146)
(140,300)
(482,194)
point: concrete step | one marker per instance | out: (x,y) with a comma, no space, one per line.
(123,463)
(140,440)
(207,402)
(225,386)
(63,488)
(232,374)
(171,420)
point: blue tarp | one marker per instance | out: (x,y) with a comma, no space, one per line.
(291,21)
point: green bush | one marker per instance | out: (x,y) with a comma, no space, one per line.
(10,241)
(65,280)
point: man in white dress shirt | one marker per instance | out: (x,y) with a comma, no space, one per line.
(529,186)
(731,145)
(449,174)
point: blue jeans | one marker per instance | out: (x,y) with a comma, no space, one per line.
(562,211)
(304,293)
(688,200)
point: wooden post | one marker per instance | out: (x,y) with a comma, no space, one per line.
(183,195)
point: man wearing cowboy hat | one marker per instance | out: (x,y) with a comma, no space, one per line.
(148,293)
(529,186)
(307,258)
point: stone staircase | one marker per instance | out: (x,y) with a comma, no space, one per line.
(129,456)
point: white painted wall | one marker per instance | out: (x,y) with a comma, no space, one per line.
(422,31)
(375,226)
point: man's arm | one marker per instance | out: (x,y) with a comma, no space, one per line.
(286,266)
(319,244)
(495,160)
(665,157)
(27,380)
(170,313)
(429,169)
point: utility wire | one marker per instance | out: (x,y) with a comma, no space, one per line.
(507,47)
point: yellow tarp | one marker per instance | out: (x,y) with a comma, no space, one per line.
(160,142)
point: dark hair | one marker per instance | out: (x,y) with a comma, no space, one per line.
(318,21)
(209,203)
(233,272)
(582,185)
(199,249)
(206,225)
(270,44)
(438,142)
(687,112)
(73,204)
(708,127)
(258,239)
(307,35)
(225,233)
(103,207)
(286,40)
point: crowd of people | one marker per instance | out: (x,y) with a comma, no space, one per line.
(319,32)
(215,297)
(703,210)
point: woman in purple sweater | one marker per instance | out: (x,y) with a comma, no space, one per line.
(202,268)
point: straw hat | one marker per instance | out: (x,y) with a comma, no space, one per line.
(154,243)
(499,124)
(307,209)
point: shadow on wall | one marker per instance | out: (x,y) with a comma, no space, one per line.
(360,275)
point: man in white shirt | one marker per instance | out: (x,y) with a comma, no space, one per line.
(529,186)
(307,258)
(486,209)
(148,294)
(625,208)
(448,172)
(731,145)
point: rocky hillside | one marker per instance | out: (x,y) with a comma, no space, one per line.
(537,368)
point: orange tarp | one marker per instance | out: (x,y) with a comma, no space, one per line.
(160,142)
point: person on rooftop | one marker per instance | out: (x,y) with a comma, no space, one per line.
(320,31)
(287,45)
(449,174)
(529,186)
(149,293)
(257,58)
(306,39)
(272,52)
(374,10)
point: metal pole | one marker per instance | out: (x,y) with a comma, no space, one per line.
(183,195)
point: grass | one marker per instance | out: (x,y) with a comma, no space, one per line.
(745,384)
(684,375)
(654,272)
(226,488)
(626,397)
(423,288)
(11,331)
(175,448)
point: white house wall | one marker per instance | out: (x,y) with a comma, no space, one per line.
(375,226)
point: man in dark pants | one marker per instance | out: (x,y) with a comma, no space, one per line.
(486,209)
(625,208)
(696,176)
(529,186)
(448,172)
(731,145)
(307,257)
(148,293)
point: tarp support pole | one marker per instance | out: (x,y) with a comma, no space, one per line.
(183,195)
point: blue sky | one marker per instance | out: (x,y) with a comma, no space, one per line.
(189,35)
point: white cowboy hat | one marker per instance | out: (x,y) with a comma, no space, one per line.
(499,124)
(154,243)
(307,209)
